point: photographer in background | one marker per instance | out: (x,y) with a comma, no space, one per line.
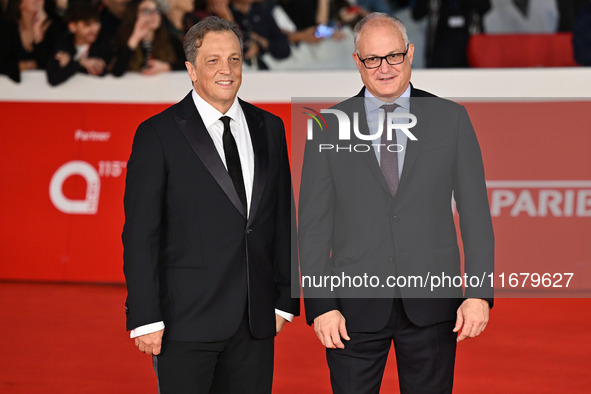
(261,33)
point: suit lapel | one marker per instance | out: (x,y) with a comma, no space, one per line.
(369,157)
(418,109)
(192,126)
(258,137)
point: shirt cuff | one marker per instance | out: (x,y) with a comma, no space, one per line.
(285,315)
(147,329)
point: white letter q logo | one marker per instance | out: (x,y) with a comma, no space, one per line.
(89,205)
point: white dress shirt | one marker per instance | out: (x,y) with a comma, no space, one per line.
(215,128)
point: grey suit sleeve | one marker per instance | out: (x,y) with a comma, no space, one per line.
(473,209)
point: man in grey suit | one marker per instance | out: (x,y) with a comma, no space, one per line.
(387,213)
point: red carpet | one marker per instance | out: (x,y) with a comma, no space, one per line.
(71,339)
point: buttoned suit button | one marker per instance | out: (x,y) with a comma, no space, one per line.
(395,219)
(248,230)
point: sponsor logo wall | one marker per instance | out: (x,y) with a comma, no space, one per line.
(63,177)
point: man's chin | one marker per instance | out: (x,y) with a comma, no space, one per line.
(226,91)
(226,96)
(387,93)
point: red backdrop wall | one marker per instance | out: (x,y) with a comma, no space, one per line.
(63,168)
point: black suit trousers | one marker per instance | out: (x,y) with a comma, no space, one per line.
(241,364)
(425,357)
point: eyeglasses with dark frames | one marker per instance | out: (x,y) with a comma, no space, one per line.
(149,11)
(376,61)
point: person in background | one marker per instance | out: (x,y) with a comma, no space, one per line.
(306,15)
(521,17)
(450,24)
(79,51)
(582,36)
(179,18)
(219,8)
(316,20)
(111,13)
(397,5)
(27,36)
(145,45)
(568,11)
(375,6)
(57,8)
(260,31)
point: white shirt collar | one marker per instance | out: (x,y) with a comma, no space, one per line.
(210,115)
(374,104)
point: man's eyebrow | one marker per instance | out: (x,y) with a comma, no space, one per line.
(374,55)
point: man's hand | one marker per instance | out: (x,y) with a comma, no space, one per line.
(63,58)
(253,50)
(155,66)
(150,343)
(220,8)
(24,65)
(472,318)
(330,328)
(40,25)
(306,35)
(279,323)
(140,30)
(262,41)
(93,65)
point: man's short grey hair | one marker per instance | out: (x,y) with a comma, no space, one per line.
(194,37)
(374,17)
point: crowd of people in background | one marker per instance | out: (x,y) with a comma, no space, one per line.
(97,37)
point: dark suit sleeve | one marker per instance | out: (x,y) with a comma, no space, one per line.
(582,37)
(120,63)
(57,74)
(42,50)
(316,222)
(9,40)
(179,53)
(473,209)
(278,42)
(285,236)
(143,202)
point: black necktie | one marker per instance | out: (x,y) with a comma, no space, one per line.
(388,159)
(233,161)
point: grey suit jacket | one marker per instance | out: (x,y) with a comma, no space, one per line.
(349,223)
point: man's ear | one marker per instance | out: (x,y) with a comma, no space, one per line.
(72,27)
(357,61)
(191,71)
(411,52)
